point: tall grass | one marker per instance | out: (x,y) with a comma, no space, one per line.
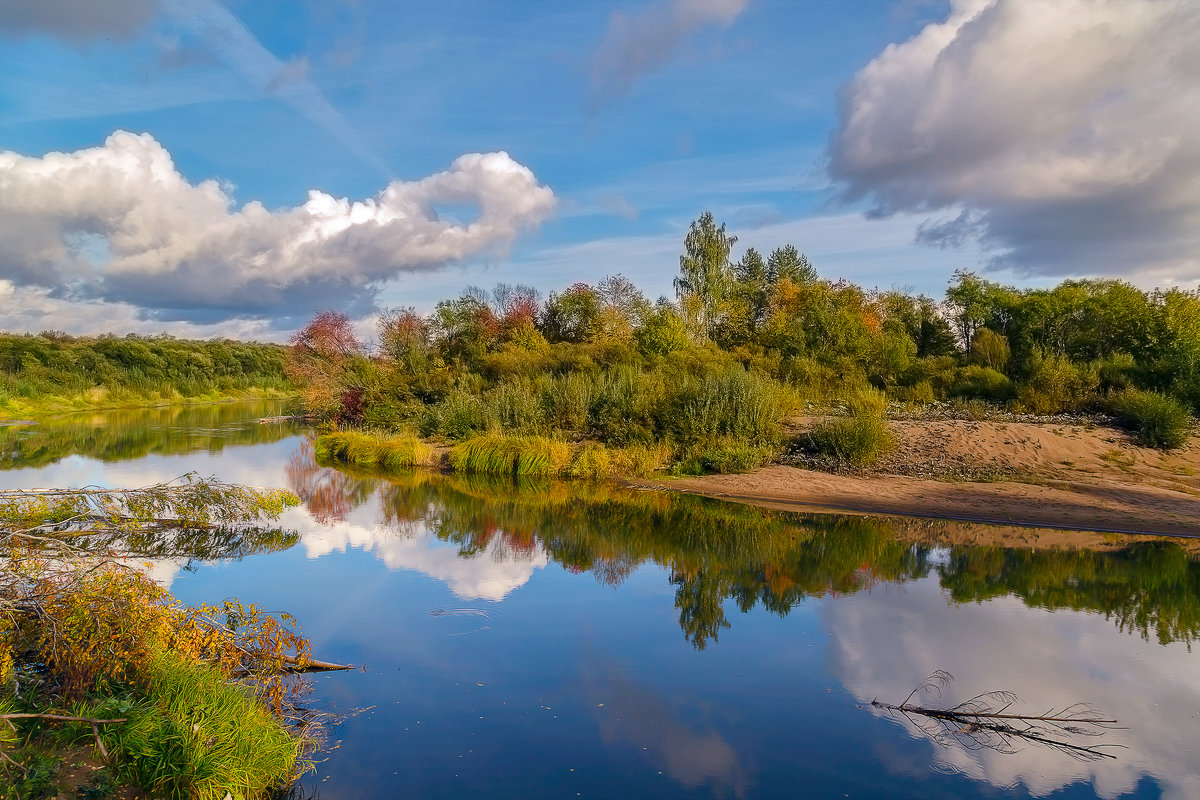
(1157,419)
(858,439)
(520,456)
(366,450)
(194,736)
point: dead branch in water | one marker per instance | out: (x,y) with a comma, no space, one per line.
(983,722)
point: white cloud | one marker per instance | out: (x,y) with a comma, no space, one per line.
(636,44)
(1065,129)
(1050,659)
(119,223)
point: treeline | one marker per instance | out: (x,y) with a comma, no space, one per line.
(744,342)
(53,371)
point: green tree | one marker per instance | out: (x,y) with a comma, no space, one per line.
(705,274)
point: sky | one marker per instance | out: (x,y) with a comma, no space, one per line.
(230,167)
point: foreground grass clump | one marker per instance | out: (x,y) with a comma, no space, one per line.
(522,456)
(192,735)
(366,450)
(197,695)
(1158,420)
(858,439)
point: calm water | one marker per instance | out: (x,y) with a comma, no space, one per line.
(553,640)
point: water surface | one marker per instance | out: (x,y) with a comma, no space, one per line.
(578,640)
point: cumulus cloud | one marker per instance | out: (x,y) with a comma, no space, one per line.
(119,223)
(636,44)
(73,20)
(1060,135)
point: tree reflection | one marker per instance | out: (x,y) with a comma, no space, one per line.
(122,434)
(716,552)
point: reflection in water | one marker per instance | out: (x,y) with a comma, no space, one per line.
(898,603)
(636,717)
(717,552)
(811,611)
(122,434)
(992,721)
(882,650)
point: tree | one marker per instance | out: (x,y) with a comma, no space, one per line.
(571,316)
(705,275)
(787,262)
(969,306)
(329,363)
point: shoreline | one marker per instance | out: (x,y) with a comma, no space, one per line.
(1071,477)
(1012,504)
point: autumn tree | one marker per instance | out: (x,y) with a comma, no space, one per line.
(329,363)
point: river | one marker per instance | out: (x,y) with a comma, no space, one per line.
(547,639)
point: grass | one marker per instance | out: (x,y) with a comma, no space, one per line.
(192,735)
(1157,420)
(520,456)
(368,451)
(858,439)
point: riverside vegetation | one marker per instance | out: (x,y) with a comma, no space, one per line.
(597,380)
(180,702)
(53,372)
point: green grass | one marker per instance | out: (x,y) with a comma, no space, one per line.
(520,456)
(1156,419)
(194,736)
(856,440)
(368,451)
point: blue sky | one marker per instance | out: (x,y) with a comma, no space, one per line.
(793,121)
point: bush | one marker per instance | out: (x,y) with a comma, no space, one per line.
(517,408)
(460,415)
(857,440)
(725,456)
(981,383)
(1157,419)
(731,403)
(1055,384)
(919,394)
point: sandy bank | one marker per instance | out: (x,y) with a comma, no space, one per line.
(1047,475)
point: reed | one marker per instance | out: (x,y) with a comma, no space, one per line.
(520,456)
(365,450)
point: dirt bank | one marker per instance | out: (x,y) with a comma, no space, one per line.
(1037,474)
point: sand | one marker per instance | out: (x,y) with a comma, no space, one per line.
(1055,475)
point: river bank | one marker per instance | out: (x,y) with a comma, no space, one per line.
(1057,475)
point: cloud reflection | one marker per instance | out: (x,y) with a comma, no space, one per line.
(1049,659)
(636,715)
(491,574)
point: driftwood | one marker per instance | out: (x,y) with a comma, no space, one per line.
(300,665)
(982,722)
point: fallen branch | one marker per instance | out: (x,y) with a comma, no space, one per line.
(982,722)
